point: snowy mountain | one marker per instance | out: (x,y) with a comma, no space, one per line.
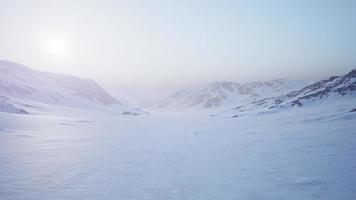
(227,94)
(335,89)
(20,82)
(21,86)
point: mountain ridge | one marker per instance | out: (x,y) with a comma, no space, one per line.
(331,90)
(226,93)
(21,83)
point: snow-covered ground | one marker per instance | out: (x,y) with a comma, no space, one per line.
(297,154)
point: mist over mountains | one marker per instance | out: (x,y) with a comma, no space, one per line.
(22,87)
(227,94)
(224,133)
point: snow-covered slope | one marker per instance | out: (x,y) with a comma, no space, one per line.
(6,106)
(20,83)
(227,94)
(333,90)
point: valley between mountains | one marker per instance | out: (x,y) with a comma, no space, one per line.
(65,137)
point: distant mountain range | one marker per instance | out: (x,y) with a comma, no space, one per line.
(22,89)
(20,84)
(227,94)
(335,89)
(334,86)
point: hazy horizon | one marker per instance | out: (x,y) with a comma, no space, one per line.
(186,104)
(151,43)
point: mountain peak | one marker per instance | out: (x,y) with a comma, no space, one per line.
(351,74)
(334,86)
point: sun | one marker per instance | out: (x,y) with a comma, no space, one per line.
(57,46)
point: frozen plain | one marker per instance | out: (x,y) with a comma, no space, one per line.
(299,154)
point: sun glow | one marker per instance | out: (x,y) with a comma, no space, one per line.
(57,46)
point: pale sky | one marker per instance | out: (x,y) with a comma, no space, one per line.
(183,41)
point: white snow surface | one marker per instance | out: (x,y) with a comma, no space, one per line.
(5,106)
(305,153)
(266,149)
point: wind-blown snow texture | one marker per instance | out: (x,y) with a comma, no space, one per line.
(288,155)
(5,106)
